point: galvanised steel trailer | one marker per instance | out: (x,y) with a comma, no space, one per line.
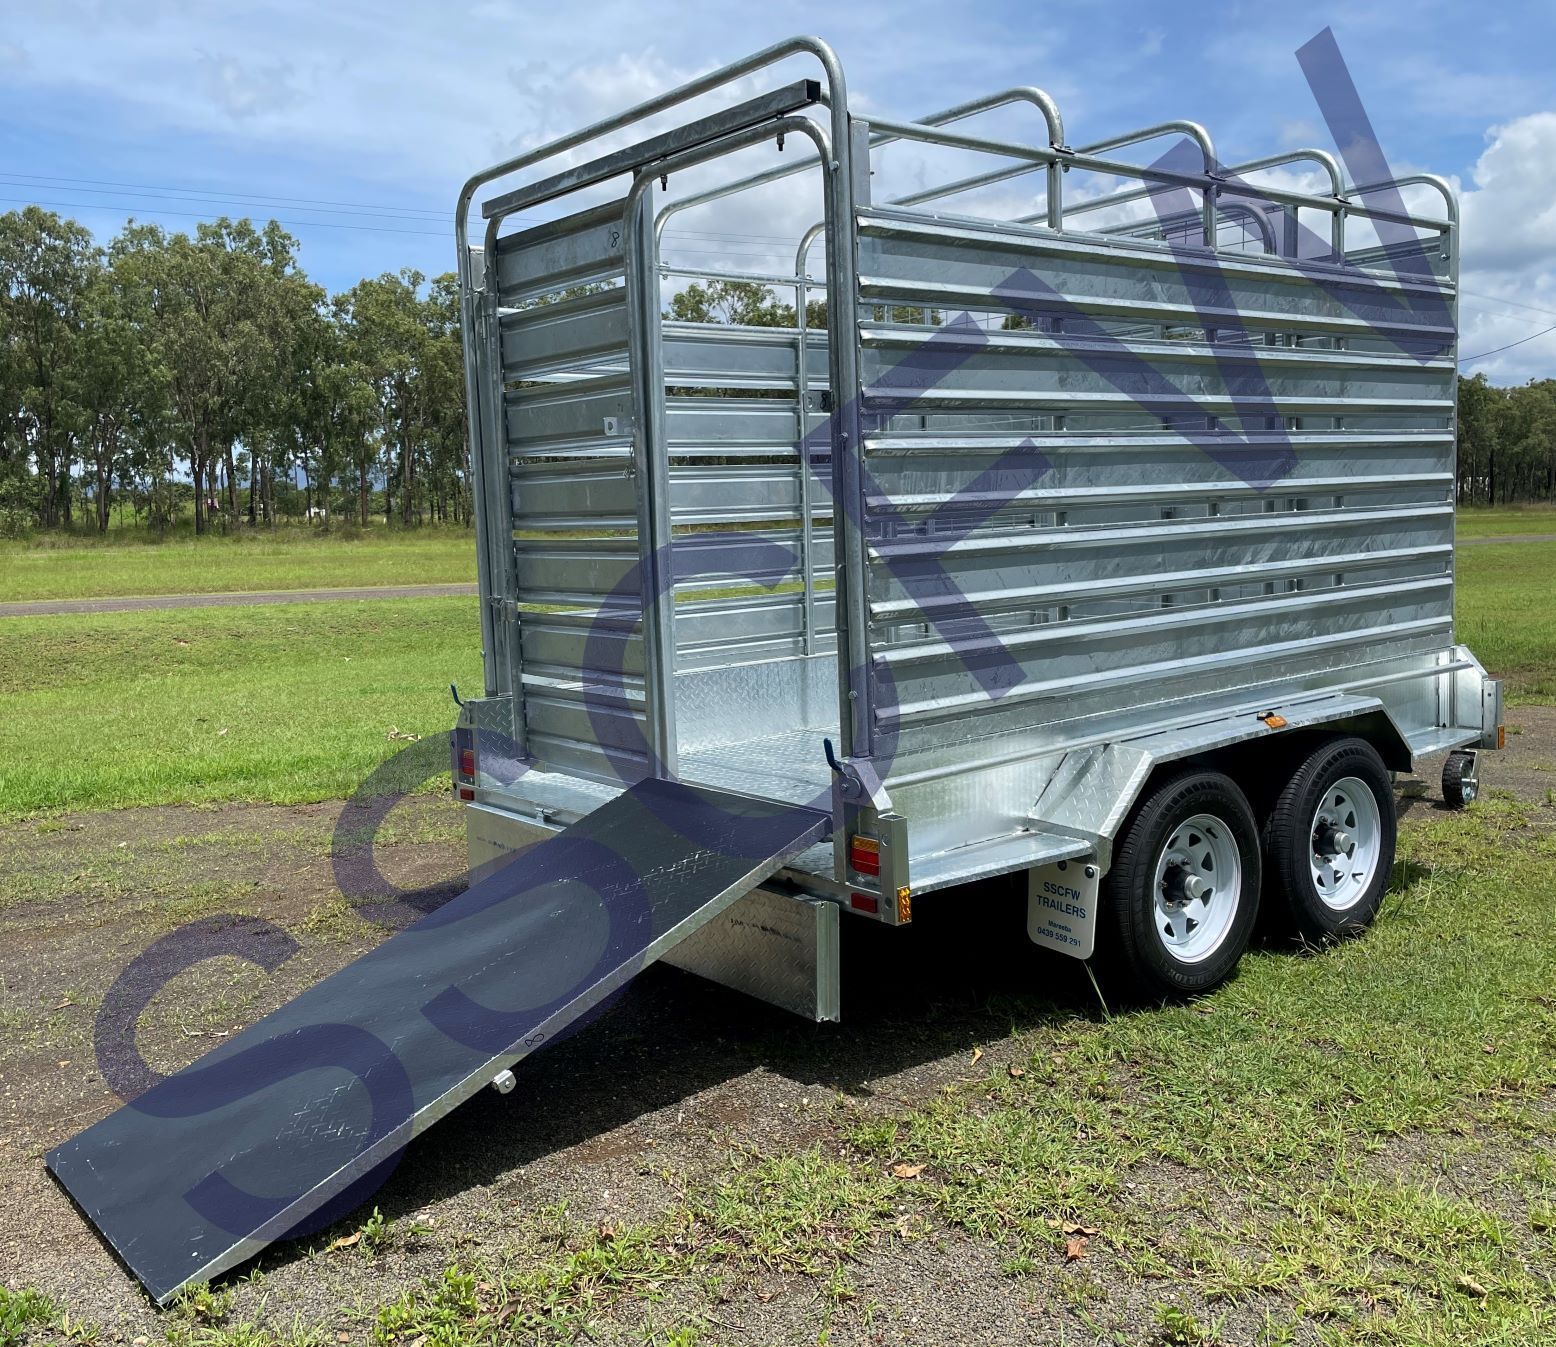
(1098,552)
(1120,556)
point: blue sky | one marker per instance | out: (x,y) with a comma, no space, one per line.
(355,123)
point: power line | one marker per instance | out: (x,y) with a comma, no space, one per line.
(413,214)
(243,202)
(1517,304)
(753,244)
(1465,360)
(206,215)
(256,196)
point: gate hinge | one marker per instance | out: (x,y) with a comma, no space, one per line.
(507,609)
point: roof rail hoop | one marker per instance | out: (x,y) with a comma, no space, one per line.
(1025,93)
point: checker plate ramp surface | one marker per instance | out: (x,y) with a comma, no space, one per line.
(297,1120)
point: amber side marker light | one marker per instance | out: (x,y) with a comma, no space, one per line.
(1273,721)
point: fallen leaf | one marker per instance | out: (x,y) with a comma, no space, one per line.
(343,1337)
(1054,1222)
(906,1171)
(63,1065)
(765,1296)
(1472,1287)
(607,1232)
(221,731)
(346,1241)
(1017,1071)
(1490,1049)
(1074,1228)
(977,1055)
(66,1002)
(1075,1248)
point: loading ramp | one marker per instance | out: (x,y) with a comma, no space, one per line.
(294,1122)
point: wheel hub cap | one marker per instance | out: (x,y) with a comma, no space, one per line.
(1346,837)
(1197,888)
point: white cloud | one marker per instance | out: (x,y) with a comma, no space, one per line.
(245,90)
(1508,268)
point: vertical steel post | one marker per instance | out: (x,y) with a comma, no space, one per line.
(501,602)
(471,335)
(802,448)
(856,716)
(651,454)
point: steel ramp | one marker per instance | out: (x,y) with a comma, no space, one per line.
(297,1120)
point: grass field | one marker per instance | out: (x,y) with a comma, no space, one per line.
(73,567)
(1262,1162)
(1506,614)
(298,703)
(268,703)
(1481,521)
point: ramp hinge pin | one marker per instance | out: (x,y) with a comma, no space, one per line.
(503,1082)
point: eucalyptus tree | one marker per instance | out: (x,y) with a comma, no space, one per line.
(117,382)
(47,267)
(392,341)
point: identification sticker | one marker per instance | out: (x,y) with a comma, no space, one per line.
(1062,906)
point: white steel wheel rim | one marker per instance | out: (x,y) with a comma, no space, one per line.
(1345,840)
(1197,888)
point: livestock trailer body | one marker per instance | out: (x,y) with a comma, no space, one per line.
(1024,513)
(1120,556)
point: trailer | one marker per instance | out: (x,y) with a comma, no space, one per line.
(1107,541)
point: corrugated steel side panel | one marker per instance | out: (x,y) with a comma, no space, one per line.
(1122,478)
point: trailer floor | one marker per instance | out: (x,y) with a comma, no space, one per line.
(682,1087)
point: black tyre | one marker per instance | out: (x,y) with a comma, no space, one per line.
(1460,784)
(1329,842)
(1180,902)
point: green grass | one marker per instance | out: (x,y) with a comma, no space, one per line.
(1506,610)
(123,709)
(73,566)
(270,703)
(20,1313)
(1247,1153)
(1483,521)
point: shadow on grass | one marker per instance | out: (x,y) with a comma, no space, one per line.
(911,996)
(961,974)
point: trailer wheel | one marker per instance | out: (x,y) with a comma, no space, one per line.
(1329,841)
(1460,784)
(1183,892)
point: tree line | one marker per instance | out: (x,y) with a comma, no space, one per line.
(169,368)
(166,368)
(1507,442)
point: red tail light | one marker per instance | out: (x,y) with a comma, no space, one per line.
(864,855)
